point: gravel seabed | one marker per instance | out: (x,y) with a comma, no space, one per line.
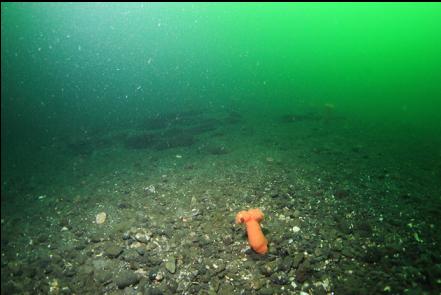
(346,211)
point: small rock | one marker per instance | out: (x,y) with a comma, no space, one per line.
(15,268)
(43,238)
(218,266)
(266,291)
(64,222)
(80,247)
(153,273)
(269,268)
(303,272)
(126,278)
(170,265)
(286,264)
(279,278)
(226,289)
(96,238)
(338,245)
(123,205)
(29,271)
(159,276)
(296,214)
(78,233)
(214,284)
(297,259)
(256,283)
(153,291)
(86,270)
(341,194)
(103,276)
(228,240)
(142,237)
(150,189)
(112,250)
(102,263)
(348,253)
(70,272)
(130,255)
(152,260)
(318,252)
(373,255)
(101,218)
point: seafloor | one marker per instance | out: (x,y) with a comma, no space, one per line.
(350,208)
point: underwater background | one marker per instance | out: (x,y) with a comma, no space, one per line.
(132,134)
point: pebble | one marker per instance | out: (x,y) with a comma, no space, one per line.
(123,205)
(268,268)
(96,238)
(170,265)
(103,276)
(70,272)
(159,276)
(112,250)
(257,283)
(279,278)
(226,289)
(86,270)
(298,259)
(15,268)
(102,264)
(43,238)
(150,189)
(303,272)
(130,255)
(285,264)
(218,266)
(153,291)
(266,291)
(142,238)
(153,273)
(228,240)
(126,278)
(101,218)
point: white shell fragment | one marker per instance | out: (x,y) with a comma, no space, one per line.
(101,217)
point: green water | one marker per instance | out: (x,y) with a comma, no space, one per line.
(85,62)
(348,76)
